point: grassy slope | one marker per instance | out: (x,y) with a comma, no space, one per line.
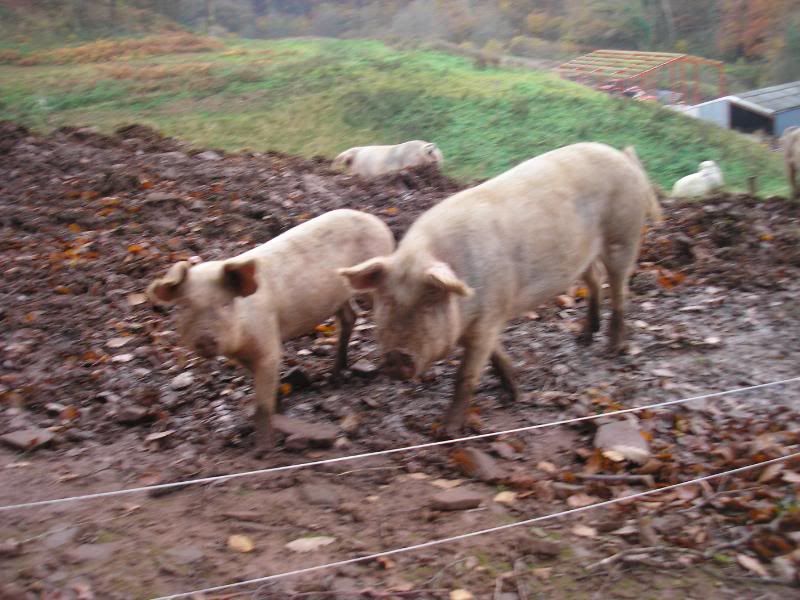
(322,96)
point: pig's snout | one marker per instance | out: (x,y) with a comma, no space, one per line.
(206,346)
(399,364)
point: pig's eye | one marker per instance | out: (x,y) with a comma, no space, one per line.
(432,296)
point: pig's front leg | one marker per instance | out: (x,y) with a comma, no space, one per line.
(266,377)
(477,351)
(345,319)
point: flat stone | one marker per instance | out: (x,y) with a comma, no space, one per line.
(302,435)
(182,381)
(28,439)
(539,547)
(209,155)
(10,547)
(161,197)
(364,368)
(503,450)
(350,423)
(60,537)
(91,552)
(478,465)
(185,556)
(457,499)
(129,415)
(623,438)
(319,494)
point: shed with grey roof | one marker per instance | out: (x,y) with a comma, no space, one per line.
(770,109)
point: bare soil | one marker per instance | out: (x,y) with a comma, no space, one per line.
(88,220)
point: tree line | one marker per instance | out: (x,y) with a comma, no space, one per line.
(750,32)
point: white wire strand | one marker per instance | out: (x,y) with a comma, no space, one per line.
(315,463)
(471,534)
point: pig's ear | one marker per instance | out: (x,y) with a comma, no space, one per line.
(431,149)
(366,276)
(240,277)
(441,276)
(165,289)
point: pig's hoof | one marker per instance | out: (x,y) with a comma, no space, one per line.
(617,349)
(585,338)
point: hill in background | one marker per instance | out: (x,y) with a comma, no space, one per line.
(318,97)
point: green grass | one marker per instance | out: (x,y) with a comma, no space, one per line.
(322,96)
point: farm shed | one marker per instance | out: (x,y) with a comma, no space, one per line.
(677,72)
(771,109)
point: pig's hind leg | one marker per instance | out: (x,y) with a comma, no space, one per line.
(592,324)
(620,260)
(501,363)
(345,319)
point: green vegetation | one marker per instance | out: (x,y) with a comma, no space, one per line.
(321,96)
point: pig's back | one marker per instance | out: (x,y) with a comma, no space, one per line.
(528,233)
(299,266)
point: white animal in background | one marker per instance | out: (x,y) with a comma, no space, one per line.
(791,154)
(707,179)
(371,161)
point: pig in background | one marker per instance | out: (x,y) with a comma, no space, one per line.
(371,161)
(245,306)
(707,179)
(492,252)
(790,142)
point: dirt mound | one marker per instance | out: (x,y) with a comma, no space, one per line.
(734,240)
(147,138)
(10,134)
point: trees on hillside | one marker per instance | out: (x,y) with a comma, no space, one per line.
(743,30)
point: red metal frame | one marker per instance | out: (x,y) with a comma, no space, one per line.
(635,67)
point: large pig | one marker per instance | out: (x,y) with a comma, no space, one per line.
(489,253)
(791,155)
(371,161)
(245,306)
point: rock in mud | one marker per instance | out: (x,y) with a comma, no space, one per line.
(364,368)
(28,439)
(622,439)
(457,499)
(319,494)
(478,465)
(181,381)
(301,435)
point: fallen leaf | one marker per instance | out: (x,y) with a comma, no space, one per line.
(752,564)
(137,299)
(542,573)
(547,467)
(240,543)
(446,484)
(70,413)
(581,499)
(117,342)
(584,530)
(308,544)
(791,477)
(385,562)
(770,473)
(506,497)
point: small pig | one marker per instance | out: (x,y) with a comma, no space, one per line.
(492,252)
(790,141)
(371,161)
(707,179)
(245,306)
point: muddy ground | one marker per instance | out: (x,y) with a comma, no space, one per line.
(88,220)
